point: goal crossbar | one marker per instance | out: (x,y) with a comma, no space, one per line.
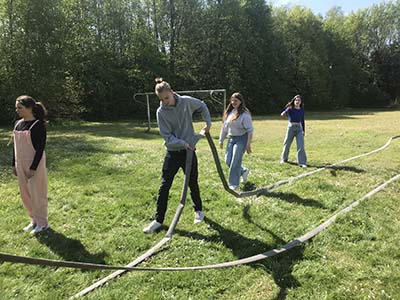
(212,94)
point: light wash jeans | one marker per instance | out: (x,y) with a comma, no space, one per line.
(233,157)
(294,130)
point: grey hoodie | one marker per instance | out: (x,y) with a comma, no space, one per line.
(176,122)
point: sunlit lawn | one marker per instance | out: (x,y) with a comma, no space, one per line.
(103,182)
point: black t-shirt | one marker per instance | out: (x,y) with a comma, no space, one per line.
(38,137)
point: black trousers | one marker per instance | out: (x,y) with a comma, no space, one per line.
(172,162)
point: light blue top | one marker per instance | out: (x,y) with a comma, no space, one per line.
(176,122)
(242,125)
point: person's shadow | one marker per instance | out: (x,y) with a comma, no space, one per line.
(332,168)
(69,249)
(294,198)
(280,266)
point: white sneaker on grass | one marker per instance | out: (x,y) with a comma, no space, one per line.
(198,216)
(303,166)
(38,229)
(245,175)
(234,188)
(153,226)
(29,227)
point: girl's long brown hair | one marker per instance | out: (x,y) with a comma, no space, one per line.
(241,109)
(291,102)
(38,109)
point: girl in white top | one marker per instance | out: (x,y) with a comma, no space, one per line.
(237,123)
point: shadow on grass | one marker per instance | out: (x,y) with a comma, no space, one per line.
(288,197)
(280,266)
(72,149)
(292,163)
(293,198)
(120,131)
(311,115)
(340,168)
(69,249)
(344,168)
(333,168)
(116,130)
(72,152)
(342,114)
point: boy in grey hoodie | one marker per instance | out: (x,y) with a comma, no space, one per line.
(175,122)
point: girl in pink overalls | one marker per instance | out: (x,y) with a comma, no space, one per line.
(29,161)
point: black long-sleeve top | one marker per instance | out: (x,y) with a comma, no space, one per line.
(38,137)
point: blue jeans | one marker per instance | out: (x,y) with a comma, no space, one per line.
(233,157)
(294,130)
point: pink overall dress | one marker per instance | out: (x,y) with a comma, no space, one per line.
(34,190)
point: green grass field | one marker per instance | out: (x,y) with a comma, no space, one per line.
(103,182)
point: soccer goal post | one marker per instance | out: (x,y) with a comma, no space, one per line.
(215,100)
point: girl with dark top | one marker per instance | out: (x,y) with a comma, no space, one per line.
(29,161)
(296,128)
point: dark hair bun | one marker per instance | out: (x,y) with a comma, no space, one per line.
(158,80)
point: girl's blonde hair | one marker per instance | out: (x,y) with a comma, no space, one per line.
(161,86)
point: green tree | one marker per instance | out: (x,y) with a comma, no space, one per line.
(339,58)
(32,55)
(307,64)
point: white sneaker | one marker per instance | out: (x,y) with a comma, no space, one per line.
(283,161)
(153,226)
(198,216)
(245,175)
(29,227)
(303,166)
(234,188)
(38,229)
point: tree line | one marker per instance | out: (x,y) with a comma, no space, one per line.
(86,58)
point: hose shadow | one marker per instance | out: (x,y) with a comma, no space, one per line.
(280,266)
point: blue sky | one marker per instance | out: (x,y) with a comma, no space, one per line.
(321,7)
